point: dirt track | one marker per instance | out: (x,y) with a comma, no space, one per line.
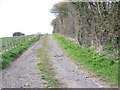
(68,73)
(23,73)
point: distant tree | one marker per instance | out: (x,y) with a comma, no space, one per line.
(18,34)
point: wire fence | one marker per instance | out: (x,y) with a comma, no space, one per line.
(8,43)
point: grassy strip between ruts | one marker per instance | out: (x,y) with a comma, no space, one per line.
(98,63)
(45,66)
(9,56)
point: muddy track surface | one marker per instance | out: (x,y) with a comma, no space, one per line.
(23,72)
(67,71)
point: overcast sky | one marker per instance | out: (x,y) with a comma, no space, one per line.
(27,16)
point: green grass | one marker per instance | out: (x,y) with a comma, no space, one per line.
(8,42)
(7,57)
(45,66)
(100,64)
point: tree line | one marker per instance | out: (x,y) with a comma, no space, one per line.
(92,24)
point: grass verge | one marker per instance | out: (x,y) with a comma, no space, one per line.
(7,57)
(100,64)
(45,66)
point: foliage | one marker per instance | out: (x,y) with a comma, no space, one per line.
(93,24)
(60,8)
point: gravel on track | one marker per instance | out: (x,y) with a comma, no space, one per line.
(67,71)
(23,72)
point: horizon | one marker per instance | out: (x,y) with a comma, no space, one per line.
(26,16)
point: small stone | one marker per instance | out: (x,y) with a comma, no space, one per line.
(26,84)
(38,63)
(54,55)
(61,59)
(86,77)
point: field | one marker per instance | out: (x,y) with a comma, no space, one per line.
(7,43)
(12,47)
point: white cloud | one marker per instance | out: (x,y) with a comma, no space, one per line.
(27,16)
